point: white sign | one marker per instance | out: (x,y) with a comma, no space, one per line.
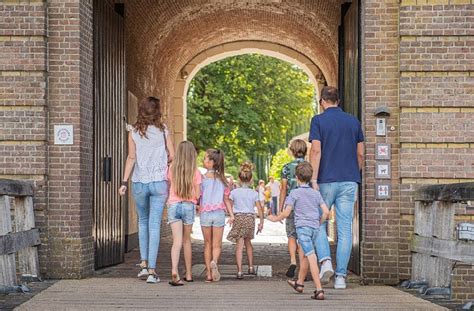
(383,191)
(63,135)
(382,170)
(382,151)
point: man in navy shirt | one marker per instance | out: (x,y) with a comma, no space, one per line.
(337,152)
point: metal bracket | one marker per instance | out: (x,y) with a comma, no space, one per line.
(14,289)
(28,278)
(417,284)
(438,291)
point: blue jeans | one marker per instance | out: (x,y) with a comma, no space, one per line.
(274,205)
(307,238)
(150,201)
(343,196)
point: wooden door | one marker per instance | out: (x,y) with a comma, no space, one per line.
(109,134)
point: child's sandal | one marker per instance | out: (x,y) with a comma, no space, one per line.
(318,294)
(297,287)
(251,271)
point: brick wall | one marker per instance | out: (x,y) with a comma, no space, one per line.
(70,102)
(37,93)
(381,227)
(436,100)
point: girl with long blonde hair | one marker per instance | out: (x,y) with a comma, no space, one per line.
(149,152)
(185,182)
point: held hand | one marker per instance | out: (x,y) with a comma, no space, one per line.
(122,190)
(231,220)
(272,218)
(315,186)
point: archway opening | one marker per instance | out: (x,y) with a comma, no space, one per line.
(250,105)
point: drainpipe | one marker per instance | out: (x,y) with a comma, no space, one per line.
(47,125)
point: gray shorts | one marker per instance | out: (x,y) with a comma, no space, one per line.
(290,226)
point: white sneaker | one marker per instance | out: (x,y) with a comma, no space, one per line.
(143,274)
(153,278)
(326,272)
(340,282)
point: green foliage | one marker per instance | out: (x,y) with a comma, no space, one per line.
(279,159)
(245,104)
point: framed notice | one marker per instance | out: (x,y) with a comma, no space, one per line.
(63,134)
(383,191)
(382,152)
(382,170)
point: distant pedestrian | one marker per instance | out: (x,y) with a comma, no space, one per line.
(244,200)
(267,198)
(275,191)
(261,191)
(150,149)
(214,202)
(185,189)
(306,203)
(298,149)
(337,153)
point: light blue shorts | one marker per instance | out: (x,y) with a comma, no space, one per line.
(181,211)
(307,239)
(213,218)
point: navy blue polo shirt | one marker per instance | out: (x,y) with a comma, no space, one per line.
(339,134)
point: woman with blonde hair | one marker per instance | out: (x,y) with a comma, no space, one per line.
(185,190)
(149,152)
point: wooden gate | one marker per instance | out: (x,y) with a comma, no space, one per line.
(109,134)
(350,94)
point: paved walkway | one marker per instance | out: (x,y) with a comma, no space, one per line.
(117,287)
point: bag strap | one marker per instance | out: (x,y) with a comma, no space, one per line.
(166,146)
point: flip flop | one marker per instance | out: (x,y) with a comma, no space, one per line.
(297,287)
(208,281)
(216,276)
(189,281)
(176,283)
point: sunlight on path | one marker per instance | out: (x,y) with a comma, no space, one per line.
(273,233)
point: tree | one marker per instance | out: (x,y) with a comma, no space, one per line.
(245,104)
(279,159)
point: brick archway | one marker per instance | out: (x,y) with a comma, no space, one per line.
(178,105)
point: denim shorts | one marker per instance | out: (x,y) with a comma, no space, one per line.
(183,211)
(290,226)
(213,218)
(307,239)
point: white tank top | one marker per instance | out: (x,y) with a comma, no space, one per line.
(151,158)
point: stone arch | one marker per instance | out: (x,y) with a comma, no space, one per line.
(178,107)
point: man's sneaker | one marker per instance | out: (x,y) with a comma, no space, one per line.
(143,274)
(326,272)
(153,278)
(291,271)
(340,282)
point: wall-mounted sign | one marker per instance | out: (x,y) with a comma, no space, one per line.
(382,170)
(382,152)
(383,191)
(63,134)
